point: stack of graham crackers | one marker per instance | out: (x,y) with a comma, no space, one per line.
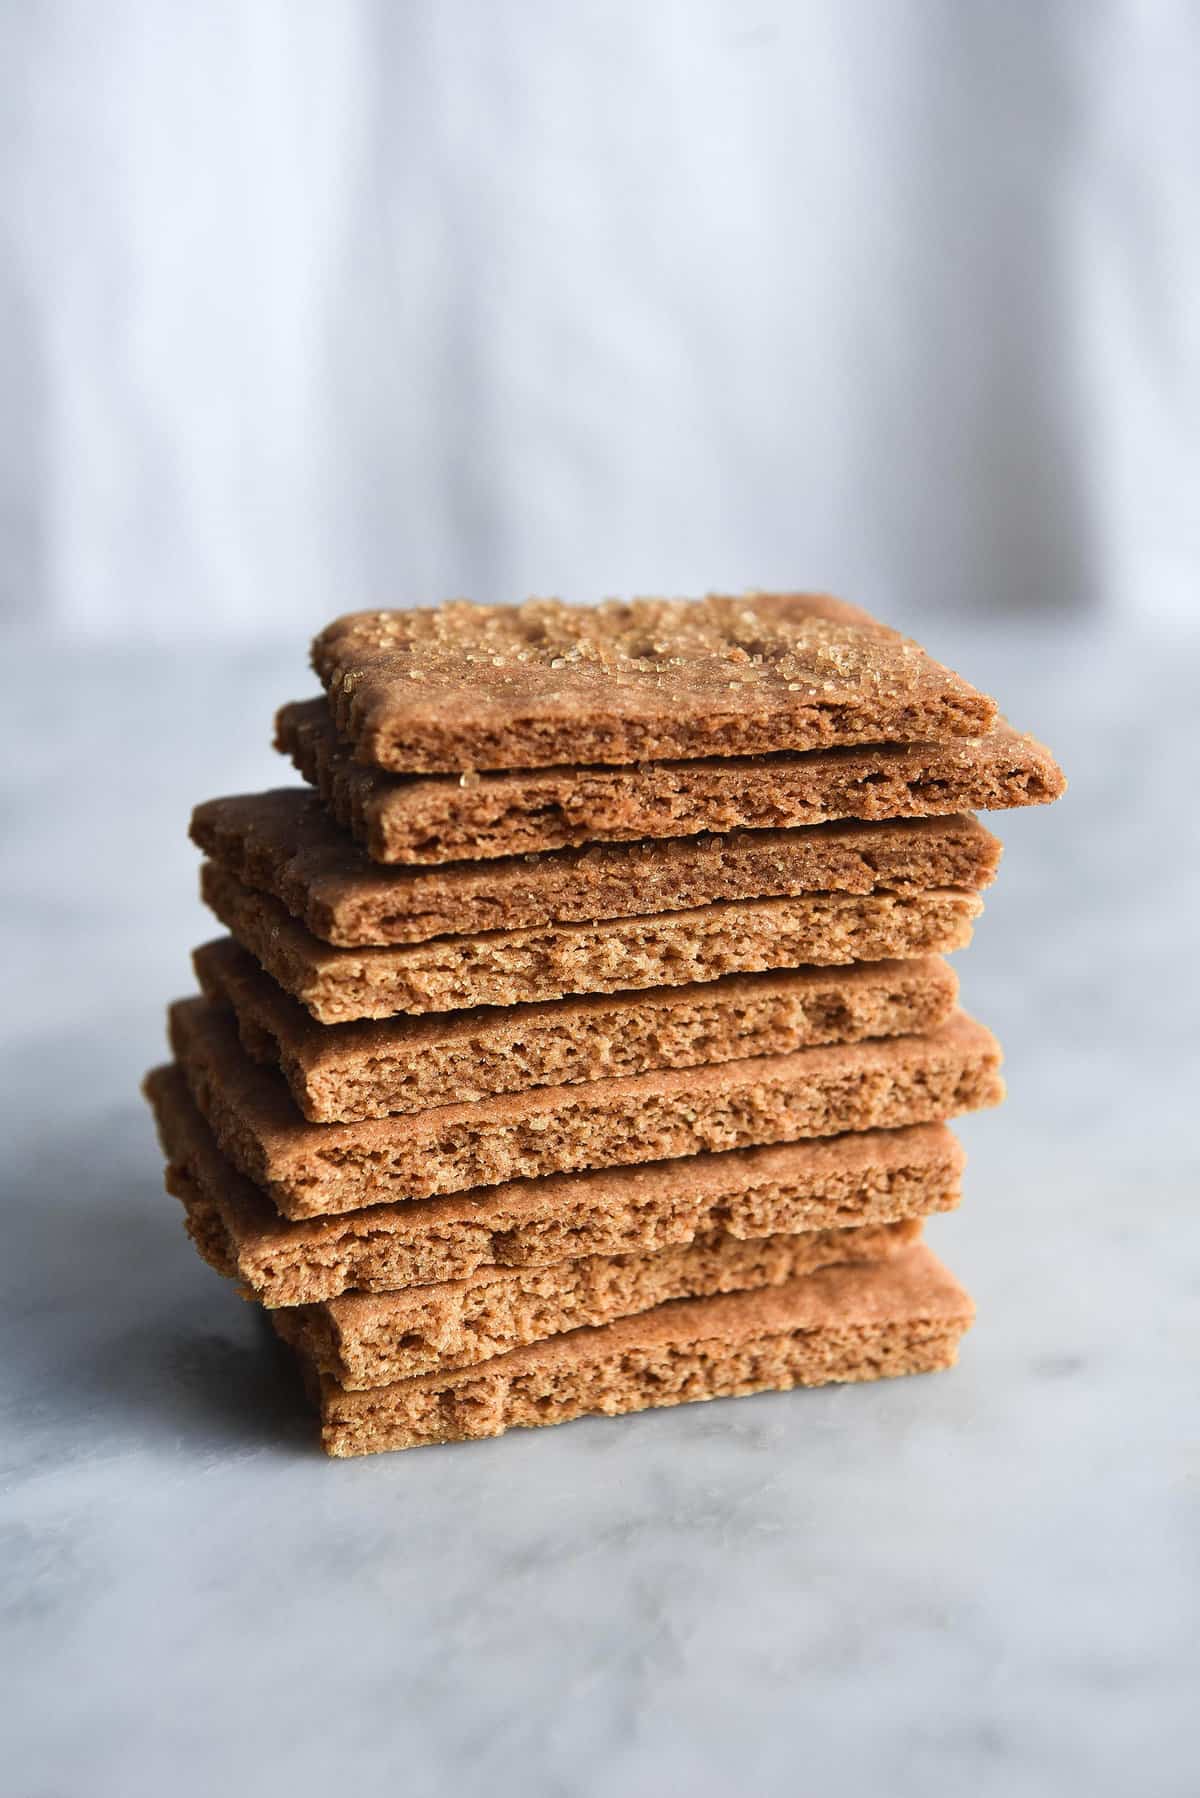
(584,1043)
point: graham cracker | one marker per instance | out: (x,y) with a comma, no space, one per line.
(466,686)
(860,1180)
(436,818)
(522,967)
(285,843)
(864,1321)
(365,1340)
(311,1170)
(341,1073)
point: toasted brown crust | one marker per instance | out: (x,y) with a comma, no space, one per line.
(365,1340)
(853,1322)
(285,843)
(443,818)
(465,686)
(311,1170)
(873,1177)
(521,967)
(340,1073)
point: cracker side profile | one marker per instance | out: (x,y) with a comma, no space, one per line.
(432,819)
(285,843)
(516,967)
(843,1182)
(372,1339)
(340,1073)
(869,1321)
(314,1169)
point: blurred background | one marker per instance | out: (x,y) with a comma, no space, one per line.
(308,307)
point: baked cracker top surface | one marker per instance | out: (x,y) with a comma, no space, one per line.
(543,684)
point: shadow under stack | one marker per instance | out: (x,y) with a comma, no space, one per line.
(583,1039)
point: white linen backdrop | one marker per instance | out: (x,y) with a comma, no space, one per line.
(311,304)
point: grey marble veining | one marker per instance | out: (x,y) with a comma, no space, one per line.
(985,1581)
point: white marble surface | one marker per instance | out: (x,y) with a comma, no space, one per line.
(982,1582)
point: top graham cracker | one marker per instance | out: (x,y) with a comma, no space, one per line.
(540,685)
